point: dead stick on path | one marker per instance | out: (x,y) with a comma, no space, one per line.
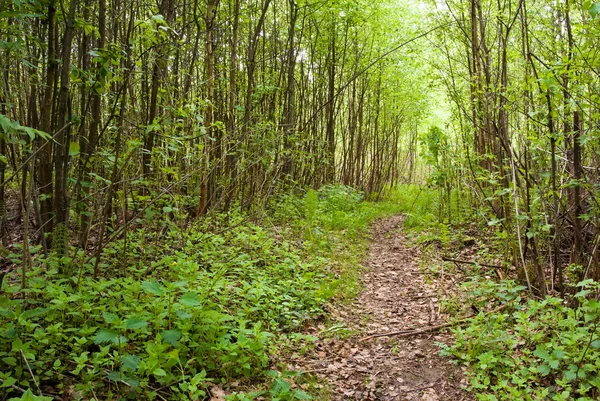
(412,332)
(468,262)
(31,373)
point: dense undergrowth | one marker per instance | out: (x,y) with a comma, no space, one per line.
(533,349)
(182,312)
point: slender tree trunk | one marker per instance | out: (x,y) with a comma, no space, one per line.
(230,167)
(209,61)
(330,132)
(289,119)
(63,138)
(46,187)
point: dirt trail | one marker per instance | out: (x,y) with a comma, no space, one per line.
(397,295)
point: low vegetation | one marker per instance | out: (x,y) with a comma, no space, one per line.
(180,312)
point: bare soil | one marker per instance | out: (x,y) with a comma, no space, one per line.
(398,294)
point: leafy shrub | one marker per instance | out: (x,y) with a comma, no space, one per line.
(177,310)
(203,308)
(540,350)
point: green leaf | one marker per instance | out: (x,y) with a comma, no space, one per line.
(115,376)
(33,313)
(171,337)
(159,372)
(543,369)
(132,381)
(8,382)
(105,336)
(594,9)
(280,387)
(109,336)
(110,318)
(74,149)
(9,360)
(29,396)
(542,354)
(183,314)
(7,313)
(153,287)
(570,375)
(301,395)
(130,362)
(585,283)
(135,322)
(582,293)
(190,299)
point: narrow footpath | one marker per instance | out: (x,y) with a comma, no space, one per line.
(397,295)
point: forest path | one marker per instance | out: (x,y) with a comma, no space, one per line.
(397,295)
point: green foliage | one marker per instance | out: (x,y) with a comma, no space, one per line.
(541,349)
(12,129)
(211,310)
(334,221)
(181,309)
(418,204)
(29,396)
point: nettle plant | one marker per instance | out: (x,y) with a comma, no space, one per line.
(538,350)
(206,309)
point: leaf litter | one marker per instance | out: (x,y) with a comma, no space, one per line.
(397,294)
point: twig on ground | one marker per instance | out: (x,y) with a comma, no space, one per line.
(314,370)
(412,332)
(31,373)
(468,262)
(421,388)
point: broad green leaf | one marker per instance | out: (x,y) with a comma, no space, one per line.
(542,354)
(159,372)
(301,395)
(190,299)
(594,9)
(171,337)
(570,375)
(585,283)
(554,363)
(110,318)
(130,362)
(582,293)
(280,386)
(29,396)
(117,376)
(132,381)
(109,336)
(153,287)
(183,314)
(9,360)
(543,369)
(33,313)
(135,322)
(7,313)
(8,382)
(74,149)
(105,336)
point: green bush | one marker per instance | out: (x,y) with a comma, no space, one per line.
(177,310)
(538,350)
